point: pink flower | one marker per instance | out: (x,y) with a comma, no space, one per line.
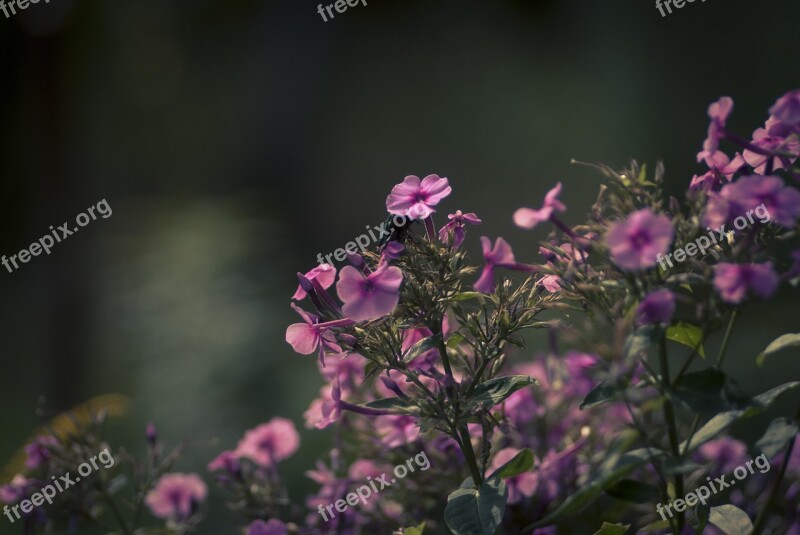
(734,281)
(269,443)
(782,203)
(720,166)
(636,242)
(787,108)
(16,490)
(657,307)
(771,143)
(176,496)
(528,218)
(372,296)
(227,461)
(718,112)
(456,227)
(520,486)
(38,451)
(551,283)
(324,274)
(326,409)
(500,255)
(306,338)
(397,430)
(416,199)
(273,527)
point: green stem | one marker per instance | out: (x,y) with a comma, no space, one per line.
(669,416)
(469,455)
(727,338)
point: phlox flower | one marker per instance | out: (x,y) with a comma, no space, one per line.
(396,431)
(227,461)
(765,141)
(636,242)
(455,227)
(324,274)
(306,338)
(326,409)
(718,112)
(176,496)
(749,192)
(657,307)
(273,527)
(787,109)
(16,490)
(38,451)
(528,218)
(269,443)
(500,255)
(372,296)
(735,281)
(416,199)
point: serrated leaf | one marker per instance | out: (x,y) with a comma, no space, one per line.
(519,464)
(395,405)
(497,390)
(782,342)
(777,437)
(632,491)
(688,335)
(603,392)
(724,420)
(477,510)
(613,529)
(418,530)
(730,519)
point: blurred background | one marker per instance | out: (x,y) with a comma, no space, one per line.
(236,140)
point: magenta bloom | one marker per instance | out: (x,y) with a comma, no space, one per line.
(764,140)
(500,255)
(416,199)
(637,242)
(657,307)
(38,451)
(528,218)
(227,461)
(456,226)
(397,430)
(718,112)
(176,496)
(269,443)
(735,281)
(19,488)
(273,527)
(749,192)
(324,274)
(306,338)
(787,108)
(519,487)
(372,296)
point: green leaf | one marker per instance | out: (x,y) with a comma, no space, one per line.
(421,347)
(778,435)
(396,405)
(781,342)
(688,335)
(465,296)
(477,510)
(657,526)
(724,420)
(730,519)
(454,339)
(521,463)
(702,391)
(605,391)
(629,490)
(613,529)
(698,516)
(415,530)
(497,390)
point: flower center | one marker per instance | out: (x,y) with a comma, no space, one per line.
(640,238)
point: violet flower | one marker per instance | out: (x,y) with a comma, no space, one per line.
(415,199)
(766,142)
(528,218)
(306,338)
(227,461)
(787,109)
(372,296)
(718,112)
(657,308)
(176,496)
(269,443)
(16,490)
(456,227)
(636,242)
(324,274)
(273,527)
(38,451)
(735,281)
(500,255)
(749,192)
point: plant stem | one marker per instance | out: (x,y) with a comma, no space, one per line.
(669,416)
(469,455)
(727,338)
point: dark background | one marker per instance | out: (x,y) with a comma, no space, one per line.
(235,140)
